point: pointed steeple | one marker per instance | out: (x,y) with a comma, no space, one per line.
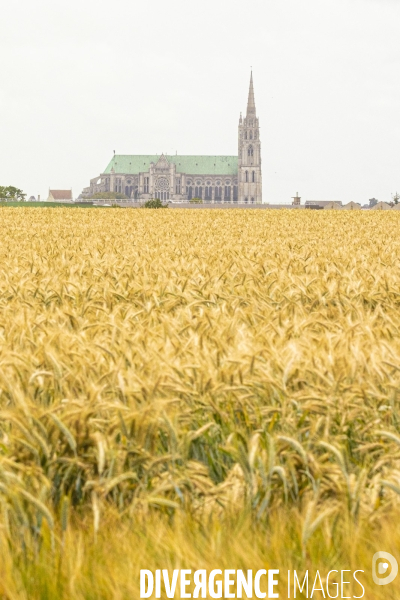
(251,105)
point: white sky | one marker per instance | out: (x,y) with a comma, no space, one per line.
(79,79)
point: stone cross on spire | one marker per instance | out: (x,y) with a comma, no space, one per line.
(251,105)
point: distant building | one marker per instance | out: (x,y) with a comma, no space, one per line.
(332,205)
(381,206)
(352,206)
(181,178)
(296,200)
(322,203)
(60,196)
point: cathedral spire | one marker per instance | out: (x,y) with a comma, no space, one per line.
(249,153)
(251,105)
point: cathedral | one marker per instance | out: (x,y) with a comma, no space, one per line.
(181,178)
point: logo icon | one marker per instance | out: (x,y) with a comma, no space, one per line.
(380,568)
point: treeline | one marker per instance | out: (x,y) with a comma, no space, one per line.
(11,193)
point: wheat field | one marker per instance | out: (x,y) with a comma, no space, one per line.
(170,380)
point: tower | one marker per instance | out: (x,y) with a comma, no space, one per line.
(296,200)
(249,153)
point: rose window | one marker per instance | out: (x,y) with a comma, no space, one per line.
(162,184)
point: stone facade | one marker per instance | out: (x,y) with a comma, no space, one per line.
(182,178)
(249,153)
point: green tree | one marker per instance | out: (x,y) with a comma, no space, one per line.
(396,197)
(11,193)
(155,203)
(196,201)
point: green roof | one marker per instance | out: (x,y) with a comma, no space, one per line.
(192,165)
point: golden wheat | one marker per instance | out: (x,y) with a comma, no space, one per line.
(198,361)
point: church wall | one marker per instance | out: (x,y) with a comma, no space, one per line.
(208,187)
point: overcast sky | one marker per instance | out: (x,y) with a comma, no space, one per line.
(80,79)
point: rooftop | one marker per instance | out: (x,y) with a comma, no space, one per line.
(61,194)
(190,164)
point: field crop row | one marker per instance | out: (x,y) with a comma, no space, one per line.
(204,363)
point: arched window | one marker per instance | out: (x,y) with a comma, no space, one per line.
(251,135)
(227,193)
(246,177)
(255,135)
(235,193)
(245,135)
(253,176)
(218,192)
(250,151)
(207,193)
(198,192)
(189,192)
(162,195)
